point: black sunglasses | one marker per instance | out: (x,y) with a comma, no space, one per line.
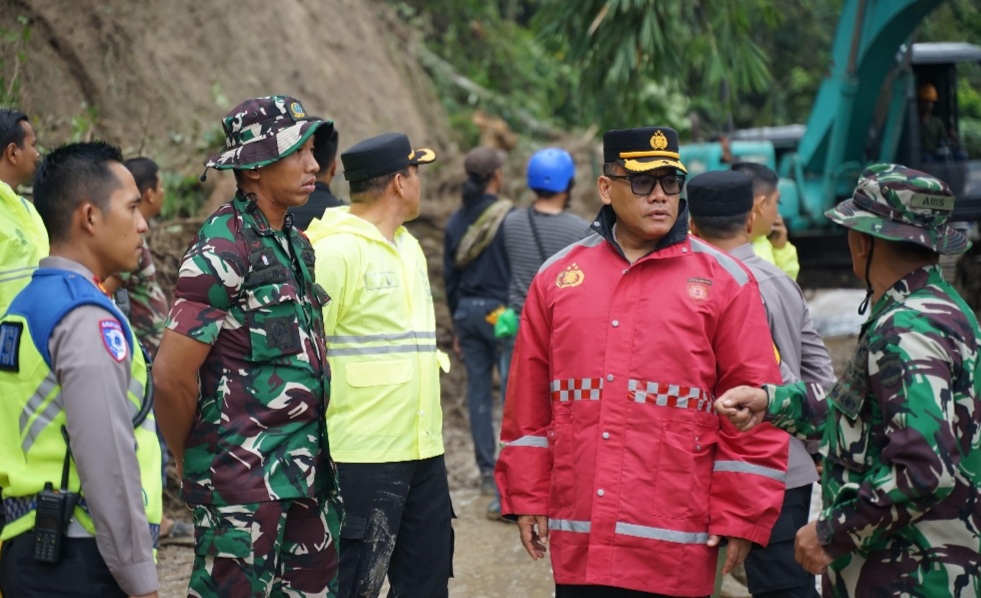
(643,184)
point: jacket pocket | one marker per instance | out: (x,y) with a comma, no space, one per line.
(363,374)
(224,540)
(850,441)
(687,456)
(273,319)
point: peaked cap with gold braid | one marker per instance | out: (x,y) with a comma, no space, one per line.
(643,149)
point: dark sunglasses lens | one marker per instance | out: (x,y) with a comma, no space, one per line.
(642,184)
(671,184)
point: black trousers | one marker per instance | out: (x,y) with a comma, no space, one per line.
(572,591)
(397,521)
(772,572)
(82,573)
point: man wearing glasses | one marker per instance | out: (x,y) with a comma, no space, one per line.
(612,454)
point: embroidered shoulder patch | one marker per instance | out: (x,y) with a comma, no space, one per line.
(112,338)
(10,333)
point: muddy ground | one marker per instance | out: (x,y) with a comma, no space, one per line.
(489,560)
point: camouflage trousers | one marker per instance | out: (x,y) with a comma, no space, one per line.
(277,548)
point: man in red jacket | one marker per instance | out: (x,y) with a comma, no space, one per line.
(612,452)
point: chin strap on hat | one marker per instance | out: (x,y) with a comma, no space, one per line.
(204,175)
(864,306)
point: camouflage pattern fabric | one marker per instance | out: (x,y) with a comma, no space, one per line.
(259,433)
(264,130)
(898,203)
(278,548)
(148,304)
(901,439)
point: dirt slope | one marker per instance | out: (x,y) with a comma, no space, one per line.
(161,74)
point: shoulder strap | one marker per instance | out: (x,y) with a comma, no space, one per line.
(534,233)
(50,296)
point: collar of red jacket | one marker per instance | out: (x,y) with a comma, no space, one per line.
(604,221)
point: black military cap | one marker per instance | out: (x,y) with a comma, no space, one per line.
(643,149)
(720,193)
(382,155)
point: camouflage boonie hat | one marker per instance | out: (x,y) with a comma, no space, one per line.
(261,131)
(898,203)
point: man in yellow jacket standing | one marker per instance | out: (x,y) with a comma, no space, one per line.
(384,419)
(23,240)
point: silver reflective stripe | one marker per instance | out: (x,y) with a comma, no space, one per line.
(45,417)
(725,260)
(536,441)
(394,336)
(591,241)
(569,525)
(16,274)
(740,467)
(138,390)
(657,533)
(419,348)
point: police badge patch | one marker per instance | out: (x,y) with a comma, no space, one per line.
(10,333)
(113,339)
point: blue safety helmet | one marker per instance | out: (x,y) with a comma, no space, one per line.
(551,170)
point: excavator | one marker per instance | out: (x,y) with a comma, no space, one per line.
(868,109)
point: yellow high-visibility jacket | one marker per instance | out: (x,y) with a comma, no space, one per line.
(381,342)
(23,242)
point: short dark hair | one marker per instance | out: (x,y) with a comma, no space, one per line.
(144,171)
(764,179)
(10,129)
(610,168)
(721,227)
(324,152)
(67,176)
(366,190)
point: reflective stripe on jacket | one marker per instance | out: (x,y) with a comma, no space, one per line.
(609,427)
(381,342)
(32,448)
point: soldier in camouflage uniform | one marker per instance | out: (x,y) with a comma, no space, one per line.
(250,438)
(901,431)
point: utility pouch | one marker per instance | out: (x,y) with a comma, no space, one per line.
(53,514)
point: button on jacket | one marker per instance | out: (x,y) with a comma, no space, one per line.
(609,427)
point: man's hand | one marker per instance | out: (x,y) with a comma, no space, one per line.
(744,406)
(534,534)
(809,552)
(736,552)
(778,234)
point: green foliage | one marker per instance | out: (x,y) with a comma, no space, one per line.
(704,48)
(969,101)
(13,56)
(971,136)
(184,196)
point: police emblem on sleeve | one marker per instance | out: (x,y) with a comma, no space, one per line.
(113,339)
(570,277)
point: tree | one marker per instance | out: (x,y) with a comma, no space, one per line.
(703,48)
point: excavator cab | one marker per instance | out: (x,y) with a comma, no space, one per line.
(930,140)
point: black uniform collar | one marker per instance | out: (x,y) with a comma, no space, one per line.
(604,221)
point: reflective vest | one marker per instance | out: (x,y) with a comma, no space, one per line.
(32,447)
(23,242)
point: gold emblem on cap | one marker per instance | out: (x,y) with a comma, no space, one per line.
(297,110)
(570,277)
(412,154)
(659,141)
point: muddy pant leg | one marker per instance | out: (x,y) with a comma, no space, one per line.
(374,495)
(423,559)
(308,557)
(236,549)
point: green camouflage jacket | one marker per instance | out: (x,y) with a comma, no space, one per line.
(259,432)
(901,439)
(148,304)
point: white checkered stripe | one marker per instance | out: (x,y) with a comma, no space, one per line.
(577,389)
(670,395)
